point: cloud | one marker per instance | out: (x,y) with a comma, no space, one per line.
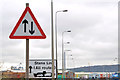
(93,24)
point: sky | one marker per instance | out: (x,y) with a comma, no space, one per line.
(93,37)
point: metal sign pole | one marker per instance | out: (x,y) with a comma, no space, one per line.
(27,54)
(52,38)
(27,59)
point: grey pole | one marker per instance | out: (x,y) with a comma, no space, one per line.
(63,53)
(27,54)
(65,60)
(56,44)
(62,56)
(27,59)
(52,40)
(56,39)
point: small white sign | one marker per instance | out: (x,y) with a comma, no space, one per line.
(41,68)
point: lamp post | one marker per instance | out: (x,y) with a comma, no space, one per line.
(65,59)
(56,39)
(63,52)
(65,55)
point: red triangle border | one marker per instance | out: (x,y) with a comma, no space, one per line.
(27,37)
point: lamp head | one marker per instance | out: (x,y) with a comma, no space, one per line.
(65,10)
(68,42)
(69,31)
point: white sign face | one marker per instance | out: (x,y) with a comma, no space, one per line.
(27,27)
(41,68)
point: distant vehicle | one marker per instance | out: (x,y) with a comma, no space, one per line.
(115,76)
(94,75)
(16,68)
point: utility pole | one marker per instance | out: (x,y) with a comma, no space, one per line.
(52,39)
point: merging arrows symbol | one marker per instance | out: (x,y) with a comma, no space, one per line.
(31,31)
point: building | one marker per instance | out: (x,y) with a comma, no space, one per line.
(11,74)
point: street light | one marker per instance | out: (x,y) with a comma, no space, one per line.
(65,59)
(63,52)
(65,55)
(56,38)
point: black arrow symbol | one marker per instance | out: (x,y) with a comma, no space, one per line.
(24,22)
(31,31)
(30,69)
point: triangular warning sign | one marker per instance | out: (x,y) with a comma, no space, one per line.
(27,27)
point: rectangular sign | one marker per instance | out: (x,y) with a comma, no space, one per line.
(41,68)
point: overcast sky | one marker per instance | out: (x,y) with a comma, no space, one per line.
(93,40)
